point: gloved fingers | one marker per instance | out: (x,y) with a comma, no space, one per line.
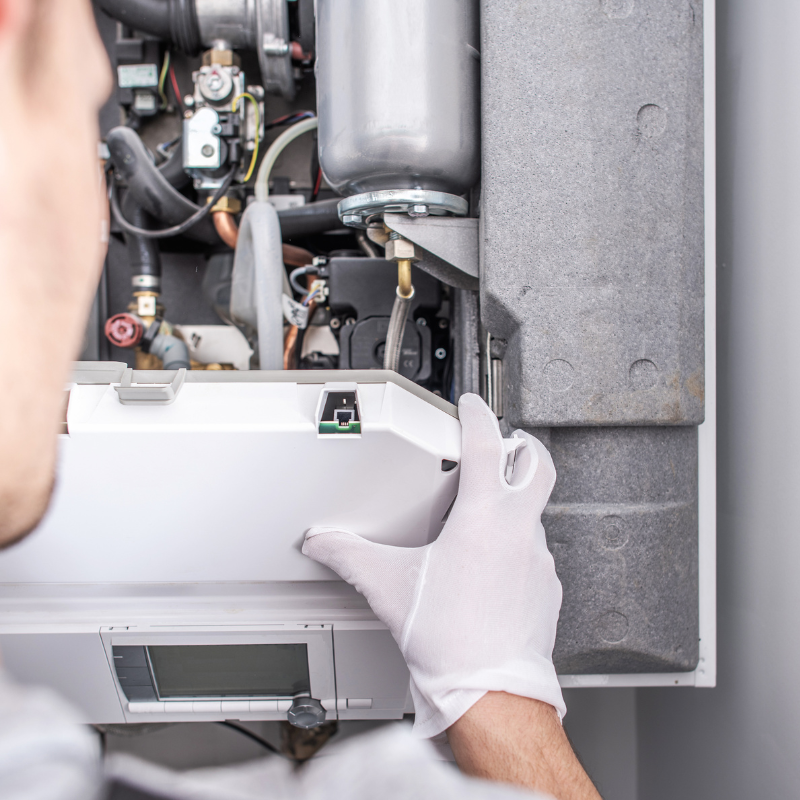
(483,455)
(386,576)
(534,471)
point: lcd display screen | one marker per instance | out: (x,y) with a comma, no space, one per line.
(230,670)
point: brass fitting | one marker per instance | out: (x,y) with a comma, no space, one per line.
(398,248)
(224,58)
(230,205)
(146,305)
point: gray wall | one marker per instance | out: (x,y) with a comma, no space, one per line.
(742,740)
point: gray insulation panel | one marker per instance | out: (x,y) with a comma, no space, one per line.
(592,281)
(592,212)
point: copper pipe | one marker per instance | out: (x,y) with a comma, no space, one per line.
(291,359)
(296,256)
(226,227)
(289,344)
(228,231)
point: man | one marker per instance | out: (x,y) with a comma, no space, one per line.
(474,613)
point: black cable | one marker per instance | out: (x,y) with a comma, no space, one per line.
(175,230)
(102,735)
(256,738)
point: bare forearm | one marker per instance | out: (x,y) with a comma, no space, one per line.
(520,741)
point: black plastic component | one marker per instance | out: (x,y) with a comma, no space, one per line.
(135,50)
(313,218)
(149,186)
(367,287)
(361,346)
(448,465)
(363,290)
(129,51)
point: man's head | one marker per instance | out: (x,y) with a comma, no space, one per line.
(54,77)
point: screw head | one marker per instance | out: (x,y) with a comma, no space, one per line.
(418,210)
(207,150)
(422,322)
(352,219)
(188,101)
(214,81)
(335,323)
(440,353)
(443,323)
(350,321)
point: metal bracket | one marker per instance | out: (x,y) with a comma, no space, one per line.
(450,246)
(131,394)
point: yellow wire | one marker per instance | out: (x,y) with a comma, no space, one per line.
(252,99)
(162,78)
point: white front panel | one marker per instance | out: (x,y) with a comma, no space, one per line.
(223,484)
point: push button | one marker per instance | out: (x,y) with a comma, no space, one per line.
(355,702)
(178,706)
(133,676)
(207,707)
(264,706)
(236,706)
(139,693)
(128,656)
(146,708)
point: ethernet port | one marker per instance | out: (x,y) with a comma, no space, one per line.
(340,413)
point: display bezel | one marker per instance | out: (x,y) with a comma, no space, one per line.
(318,641)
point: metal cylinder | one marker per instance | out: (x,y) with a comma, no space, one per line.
(260,25)
(233,21)
(397,94)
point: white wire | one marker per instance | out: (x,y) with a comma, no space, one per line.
(275,149)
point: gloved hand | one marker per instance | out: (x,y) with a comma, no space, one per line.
(476,610)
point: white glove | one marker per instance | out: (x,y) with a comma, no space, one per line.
(476,610)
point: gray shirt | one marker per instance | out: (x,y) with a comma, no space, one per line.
(47,754)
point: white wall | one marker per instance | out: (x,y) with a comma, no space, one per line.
(742,740)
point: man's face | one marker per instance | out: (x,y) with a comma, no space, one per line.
(52,232)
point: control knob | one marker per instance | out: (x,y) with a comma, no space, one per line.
(306,712)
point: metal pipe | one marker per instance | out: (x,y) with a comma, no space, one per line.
(397,327)
(296,256)
(404,287)
(226,227)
